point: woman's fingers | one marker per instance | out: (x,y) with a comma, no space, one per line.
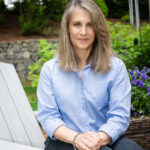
(84,147)
(97,140)
(85,142)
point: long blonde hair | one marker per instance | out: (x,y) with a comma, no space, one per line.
(101,52)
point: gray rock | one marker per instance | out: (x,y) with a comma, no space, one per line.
(24,44)
(22,76)
(20,67)
(2,56)
(16,48)
(10,52)
(32,47)
(24,49)
(18,56)
(26,55)
(3,44)
(1,49)
(19,42)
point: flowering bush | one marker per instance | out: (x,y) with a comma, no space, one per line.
(140,100)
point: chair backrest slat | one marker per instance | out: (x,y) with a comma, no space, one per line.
(16,109)
(4,129)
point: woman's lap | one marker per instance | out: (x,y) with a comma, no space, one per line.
(57,145)
(122,143)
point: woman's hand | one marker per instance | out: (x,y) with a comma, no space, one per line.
(106,139)
(88,141)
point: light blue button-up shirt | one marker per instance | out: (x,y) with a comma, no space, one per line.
(96,102)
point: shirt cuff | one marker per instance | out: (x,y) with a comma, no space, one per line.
(112,132)
(51,125)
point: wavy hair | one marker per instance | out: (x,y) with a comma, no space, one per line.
(101,51)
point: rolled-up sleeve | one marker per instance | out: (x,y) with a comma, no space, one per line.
(118,116)
(48,111)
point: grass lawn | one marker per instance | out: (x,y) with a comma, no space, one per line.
(31,94)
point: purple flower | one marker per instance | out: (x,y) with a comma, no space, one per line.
(144,76)
(141,112)
(147,77)
(141,84)
(138,74)
(130,72)
(148,70)
(133,82)
(144,68)
(138,81)
(134,114)
(136,68)
(148,89)
(133,77)
(132,108)
(143,71)
(148,93)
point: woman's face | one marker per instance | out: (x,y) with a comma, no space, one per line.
(81,31)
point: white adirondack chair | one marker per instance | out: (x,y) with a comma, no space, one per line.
(18,124)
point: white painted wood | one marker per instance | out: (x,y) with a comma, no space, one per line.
(11,114)
(4,145)
(19,100)
(5,133)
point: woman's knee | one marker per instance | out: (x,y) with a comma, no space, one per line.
(125,143)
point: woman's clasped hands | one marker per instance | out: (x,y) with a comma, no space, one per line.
(88,141)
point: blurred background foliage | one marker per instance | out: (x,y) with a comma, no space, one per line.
(126,42)
(103,6)
(34,15)
(120,8)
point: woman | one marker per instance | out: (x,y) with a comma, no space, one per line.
(84,93)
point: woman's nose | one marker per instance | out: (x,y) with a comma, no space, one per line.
(83,30)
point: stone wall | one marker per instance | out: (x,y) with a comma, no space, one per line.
(21,53)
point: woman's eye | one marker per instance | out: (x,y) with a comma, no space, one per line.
(77,24)
(89,24)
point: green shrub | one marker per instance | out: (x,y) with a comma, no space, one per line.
(45,53)
(103,6)
(55,8)
(145,56)
(32,17)
(35,15)
(124,41)
(31,94)
(125,17)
